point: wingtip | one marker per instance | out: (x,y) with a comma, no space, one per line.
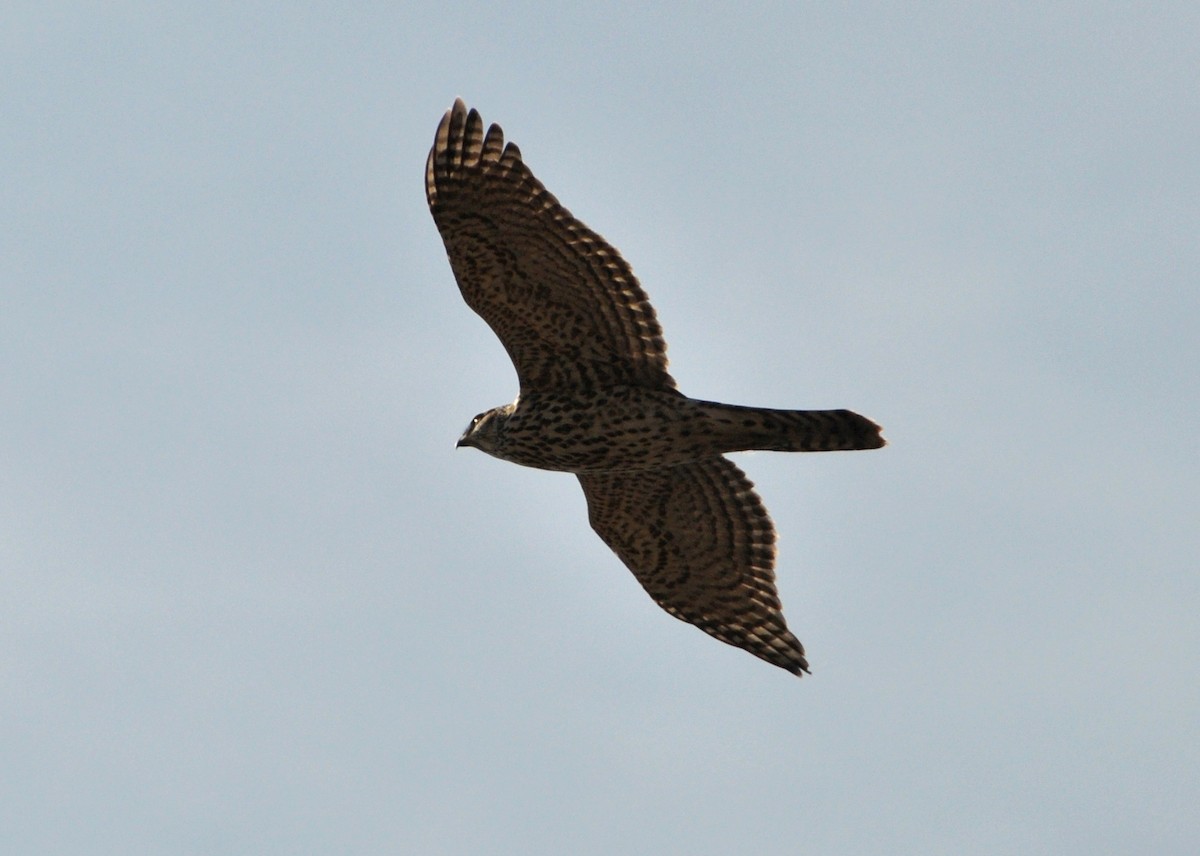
(460,142)
(798,666)
(457,110)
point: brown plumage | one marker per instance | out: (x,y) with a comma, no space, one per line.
(596,399)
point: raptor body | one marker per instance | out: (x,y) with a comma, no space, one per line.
(596,398)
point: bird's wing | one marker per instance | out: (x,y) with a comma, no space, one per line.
(566,306)
(699,540)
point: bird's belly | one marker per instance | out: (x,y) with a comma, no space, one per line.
(629,429)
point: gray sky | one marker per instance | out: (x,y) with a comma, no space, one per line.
(253,601)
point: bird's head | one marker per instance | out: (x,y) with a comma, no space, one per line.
(486,431)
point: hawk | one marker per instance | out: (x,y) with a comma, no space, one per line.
(596,400)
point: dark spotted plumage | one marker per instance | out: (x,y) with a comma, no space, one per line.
(596,399)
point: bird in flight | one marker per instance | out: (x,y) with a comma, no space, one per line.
(596,400)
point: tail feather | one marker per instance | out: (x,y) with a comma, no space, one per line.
(762,428)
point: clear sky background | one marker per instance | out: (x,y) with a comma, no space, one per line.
(253,601)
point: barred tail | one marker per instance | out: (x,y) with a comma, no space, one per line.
(747,428)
